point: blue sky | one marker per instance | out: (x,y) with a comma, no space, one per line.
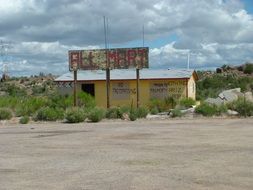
(215,32)
(248,5)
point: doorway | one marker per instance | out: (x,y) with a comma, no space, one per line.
(89,88)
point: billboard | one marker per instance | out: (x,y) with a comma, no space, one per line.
(118,58)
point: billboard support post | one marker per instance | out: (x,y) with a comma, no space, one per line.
(108,86)
(75,84)
(107,66)
(138,86)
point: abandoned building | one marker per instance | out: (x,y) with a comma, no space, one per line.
(153,84)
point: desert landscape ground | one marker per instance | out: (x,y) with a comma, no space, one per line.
(204,153)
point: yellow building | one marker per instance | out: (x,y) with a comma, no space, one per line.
(154,84)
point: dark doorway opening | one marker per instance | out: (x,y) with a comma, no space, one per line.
(89,88)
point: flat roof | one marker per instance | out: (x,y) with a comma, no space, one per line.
(127,74)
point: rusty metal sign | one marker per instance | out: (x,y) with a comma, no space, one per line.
(119,58)
(75,59)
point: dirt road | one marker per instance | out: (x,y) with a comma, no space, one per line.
(165,154)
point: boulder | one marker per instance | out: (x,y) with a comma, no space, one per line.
(216,101)
(232,113)
(248,96)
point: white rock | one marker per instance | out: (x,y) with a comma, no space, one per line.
(232,112)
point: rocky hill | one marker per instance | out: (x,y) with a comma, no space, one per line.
(33,85)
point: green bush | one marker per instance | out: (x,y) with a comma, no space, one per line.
(221,109)
(24,120)
(133,115)
(37,89)
(9,101)
(74,115)
(248,68)
(96,114)
(49,114)
(5,114)
(187,102)
(170,102)
(141,112)
(113,113)
(162,105)
(125,109)
(28,106)
(206,109)
(243,107)
(85,100)
(56,100)
(14,90)
(176,113)
(154,111)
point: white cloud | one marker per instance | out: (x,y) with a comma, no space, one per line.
(215,32)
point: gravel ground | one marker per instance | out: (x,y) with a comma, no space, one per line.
(145,154)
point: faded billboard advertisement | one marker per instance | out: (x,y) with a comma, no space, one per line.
(119,58)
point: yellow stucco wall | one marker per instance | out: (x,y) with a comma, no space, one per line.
(192,88)
(124,92)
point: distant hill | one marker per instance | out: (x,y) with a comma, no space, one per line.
(33,85)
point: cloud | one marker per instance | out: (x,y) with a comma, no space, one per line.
(42,31)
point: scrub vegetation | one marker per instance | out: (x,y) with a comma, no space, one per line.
(212,85)
(27,99)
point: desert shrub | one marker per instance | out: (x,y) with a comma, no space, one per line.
(187,102)
(85,100)
(243,107)
(206,109)
(9,102)
(154,111)
(38,89)
(141,112)
(133,115)
(5,114)
(155,103)
(14,90)
(96,114)
(176,113)
(74,115)
(162,105)
(113,113)
(215,84)
(28,106)
(170,102)
(49,114)
(56,100)
(125,109)
(248,68)
(24,120)
(221,109)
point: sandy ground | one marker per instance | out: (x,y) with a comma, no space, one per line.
(145,154)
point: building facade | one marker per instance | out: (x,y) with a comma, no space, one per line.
(153,84)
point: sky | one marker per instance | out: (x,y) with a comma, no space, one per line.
(35,35)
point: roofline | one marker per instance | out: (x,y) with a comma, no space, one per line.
(185,78)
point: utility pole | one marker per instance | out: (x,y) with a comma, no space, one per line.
(188,60)
(4,47)
(107,65)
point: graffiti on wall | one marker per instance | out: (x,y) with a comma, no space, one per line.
(119,58)
(122,91)
(161,90)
